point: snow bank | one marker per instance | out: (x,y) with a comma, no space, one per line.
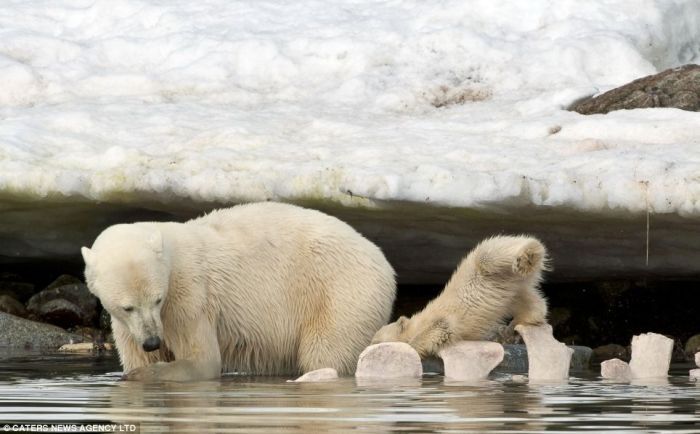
(457,103)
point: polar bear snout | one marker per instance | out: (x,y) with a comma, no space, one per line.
(152,343)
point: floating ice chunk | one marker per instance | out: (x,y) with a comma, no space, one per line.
(651,355)
(322,374)
(615,369)
(471,360)
(548,359)
(694,375)
(389,360)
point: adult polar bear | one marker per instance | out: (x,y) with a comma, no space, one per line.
(264,288)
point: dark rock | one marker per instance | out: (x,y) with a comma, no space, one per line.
(60,312)
(21,333)
(676,87)
(610,351)
(105,320)
(66,305)
(505,334)
(515,360)
(9,304)
(433,365)
(63,280)
(692,346)
(18,290)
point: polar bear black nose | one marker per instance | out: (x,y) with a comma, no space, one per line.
(151,344)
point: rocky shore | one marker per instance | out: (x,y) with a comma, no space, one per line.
(45,316)
(62,312)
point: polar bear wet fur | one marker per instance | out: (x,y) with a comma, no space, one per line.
(263,288)
(499,278)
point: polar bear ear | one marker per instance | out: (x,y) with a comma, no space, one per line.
(87,256)
(155,241)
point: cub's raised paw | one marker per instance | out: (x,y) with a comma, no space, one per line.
(529,261)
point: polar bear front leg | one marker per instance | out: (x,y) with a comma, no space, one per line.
(197,357)
(131,354)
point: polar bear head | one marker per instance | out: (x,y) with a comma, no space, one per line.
(128,270)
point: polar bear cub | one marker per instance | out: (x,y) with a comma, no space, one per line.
(263,288)
(498,279)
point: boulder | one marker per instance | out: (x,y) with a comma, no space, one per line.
(63,280)
(9,304)
(651,355)
(548,359)
(18,290)
(471,360)
(692,345)
(59,312)
(515,359)
(610,351)
(65,305)
(21,333)
(323,374)
(615,369)
(389,360)
(505,334)
(676,87)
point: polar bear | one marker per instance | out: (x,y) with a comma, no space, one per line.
(499,278)
(263,288)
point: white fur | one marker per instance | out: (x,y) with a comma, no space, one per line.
(263,288)
(499,278)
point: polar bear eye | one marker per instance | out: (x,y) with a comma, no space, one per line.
(158,301)
(128,308)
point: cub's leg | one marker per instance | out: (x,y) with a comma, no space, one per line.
(529,307)
(431,339)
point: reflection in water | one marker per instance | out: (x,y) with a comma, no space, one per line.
(71,388)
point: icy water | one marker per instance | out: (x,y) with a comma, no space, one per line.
(61,388)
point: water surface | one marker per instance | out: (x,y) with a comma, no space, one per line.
(62,388)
